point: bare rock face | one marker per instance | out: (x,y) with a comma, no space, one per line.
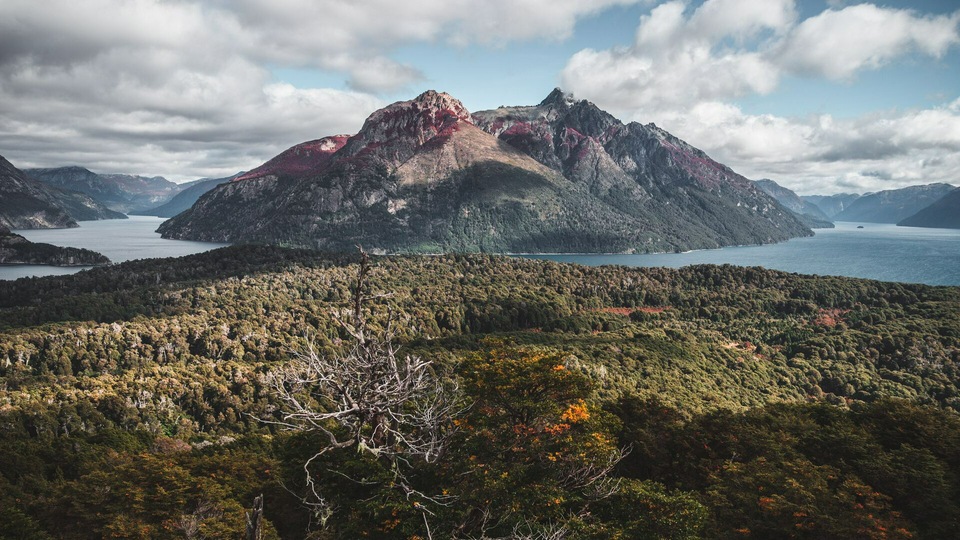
(26,204)
(393,134)
(566,136)
(426,175)
(645,172)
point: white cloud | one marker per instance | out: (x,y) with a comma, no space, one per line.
(822,154)
(182,88)
(838,44)
(352,37)
(677,60)
(161,119)
(686,65)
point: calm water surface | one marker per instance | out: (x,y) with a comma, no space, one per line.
(877,251)
(119,239)
(884,252)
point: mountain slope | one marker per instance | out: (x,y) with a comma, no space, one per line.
(645,172)
(809,213)
(893,206)
(81,206)
(426,175)
(26,204)
(943,214)
(186,198)
(120,192)
(300,160)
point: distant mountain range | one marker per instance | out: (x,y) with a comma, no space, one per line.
(120,192)
(26,203)
(427,176)
(944,213)
(809,213)
(831,205)
(894,205)
(191,191)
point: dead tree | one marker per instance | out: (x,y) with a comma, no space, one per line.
(394,408)
(255,520)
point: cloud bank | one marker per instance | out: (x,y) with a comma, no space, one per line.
(184,87)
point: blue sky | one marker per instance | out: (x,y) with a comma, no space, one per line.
(822,96)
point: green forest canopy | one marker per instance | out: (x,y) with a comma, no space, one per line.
(756,403)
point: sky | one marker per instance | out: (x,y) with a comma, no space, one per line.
(822,96)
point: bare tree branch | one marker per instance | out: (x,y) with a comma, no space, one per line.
(395,408)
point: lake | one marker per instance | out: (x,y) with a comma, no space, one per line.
(877,251)
(119,239)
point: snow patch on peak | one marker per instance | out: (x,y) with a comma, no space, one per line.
(332,143)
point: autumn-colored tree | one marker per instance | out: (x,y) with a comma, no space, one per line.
(535,450)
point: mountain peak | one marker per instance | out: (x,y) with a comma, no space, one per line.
(557,97)
(394,132)
(441,101)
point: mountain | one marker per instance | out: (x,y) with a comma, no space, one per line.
(30,204)
(943,214)
(81,206)
(15,249)
(894,205)
(186,198)
(643,171)
(26,204)
(120,192)
(809,213)
(427,176)
(831,205)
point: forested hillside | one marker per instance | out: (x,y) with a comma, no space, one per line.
(136,401)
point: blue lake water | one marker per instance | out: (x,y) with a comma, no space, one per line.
(877,251)
(119,239)
(884,252)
